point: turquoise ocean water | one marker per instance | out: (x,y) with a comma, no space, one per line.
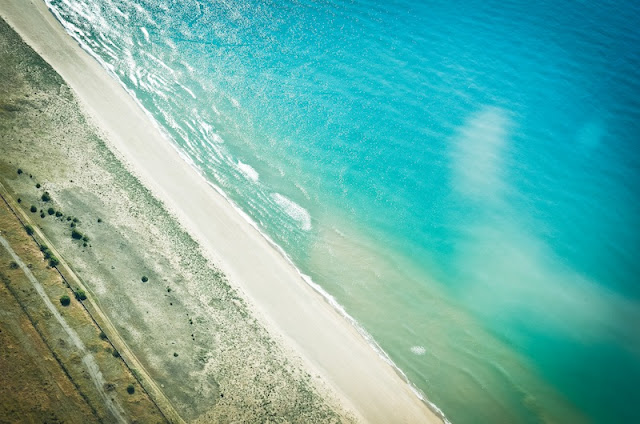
(462,177)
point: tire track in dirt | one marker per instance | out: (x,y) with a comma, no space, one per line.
(92,367)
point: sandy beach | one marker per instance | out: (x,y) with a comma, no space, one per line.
(310,330)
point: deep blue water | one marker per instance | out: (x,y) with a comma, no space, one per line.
(462,177)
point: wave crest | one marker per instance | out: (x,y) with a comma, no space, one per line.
(294,210)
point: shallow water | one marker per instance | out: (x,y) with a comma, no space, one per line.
(463,179)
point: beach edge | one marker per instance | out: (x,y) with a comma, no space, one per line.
(312,329)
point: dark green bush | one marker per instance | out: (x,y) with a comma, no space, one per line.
(115,353)
(99,220)
(81,295)
(75,219)
(42,215)
(45,196)
(53,261)
(144,279)
(58,214)
(76,234)
(19,171)
(85,238)
(68,218)
(13,265)
(29,229)
(19,200)
(103,336)
(65,300)
(38,185)
(131,389)
(51,211)
(33,209)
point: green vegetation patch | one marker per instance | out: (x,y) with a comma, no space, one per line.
(80,294)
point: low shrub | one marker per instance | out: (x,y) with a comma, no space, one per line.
(51,211)
(68,218)
(42,215)
(65,300)
(33,209)
(76,234)
(103,336)
(13,265)
(38,185)
(19,171)
(29,229)
(99,220)
(58,214)
(144,279)
(53,262)
(19,200)
(85,238)
(81,295)
(131,389)
(45,196)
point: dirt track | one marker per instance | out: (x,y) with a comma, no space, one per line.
(92,368)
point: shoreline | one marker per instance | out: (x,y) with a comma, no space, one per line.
(289,306)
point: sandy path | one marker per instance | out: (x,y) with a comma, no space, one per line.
(89,362)
(328,344)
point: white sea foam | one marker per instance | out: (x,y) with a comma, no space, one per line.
(121,13)
(248,171)
(418,350)
(160,62)
(186,89)
(303,191)
(294,210)
(216,138)
(145,33)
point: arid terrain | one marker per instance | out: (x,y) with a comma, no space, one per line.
(187,336)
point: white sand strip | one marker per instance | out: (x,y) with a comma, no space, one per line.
(329,345)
